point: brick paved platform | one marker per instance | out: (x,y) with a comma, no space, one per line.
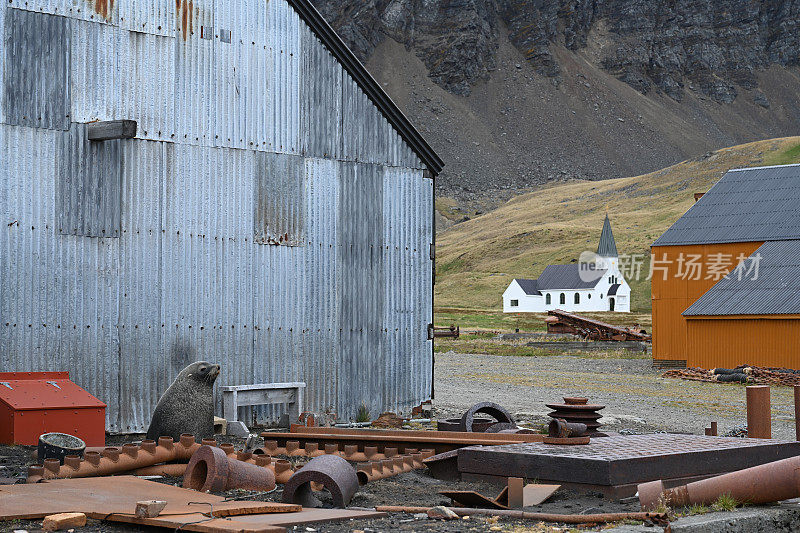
(622,462)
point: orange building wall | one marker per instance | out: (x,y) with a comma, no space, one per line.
(673,295)
(770,340)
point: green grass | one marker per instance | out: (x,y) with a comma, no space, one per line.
(477,259)
(788,156)
(488,344)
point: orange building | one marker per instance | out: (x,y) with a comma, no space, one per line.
(726,275)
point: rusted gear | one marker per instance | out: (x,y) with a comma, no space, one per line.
(333,472)
(492,409)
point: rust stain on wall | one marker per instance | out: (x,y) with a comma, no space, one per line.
(103,7)
(184,10)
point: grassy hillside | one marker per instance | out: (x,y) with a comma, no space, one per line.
(477,259)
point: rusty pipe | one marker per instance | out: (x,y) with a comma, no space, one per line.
(561,429)
(759,417)
(374,470)
(120,459)
(168,470)
(210,469)
(541,517)
(771,482)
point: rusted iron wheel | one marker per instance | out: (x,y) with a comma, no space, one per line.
(488,408)
(333,472)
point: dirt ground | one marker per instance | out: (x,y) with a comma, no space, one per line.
(637,400)
(636,397)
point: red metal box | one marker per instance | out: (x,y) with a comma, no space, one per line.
(32,403)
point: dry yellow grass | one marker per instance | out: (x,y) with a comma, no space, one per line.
(477,259)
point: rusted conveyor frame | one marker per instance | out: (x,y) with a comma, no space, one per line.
(593,327)
(438,441)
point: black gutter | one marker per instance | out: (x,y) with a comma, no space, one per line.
(367,83)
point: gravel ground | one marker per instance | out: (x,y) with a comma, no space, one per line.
(636,397)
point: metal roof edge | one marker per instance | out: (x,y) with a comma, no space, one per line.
(331,40)
(760,168)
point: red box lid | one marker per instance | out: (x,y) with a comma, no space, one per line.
(26,391)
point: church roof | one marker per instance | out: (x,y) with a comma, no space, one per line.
(607,246)
(530,286)
(567,277)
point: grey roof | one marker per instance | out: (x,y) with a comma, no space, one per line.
(775,291)
(607,246)
(612,291)
(746,205)
(566,277)
(529,286)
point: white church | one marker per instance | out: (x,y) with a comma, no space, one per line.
(586,286)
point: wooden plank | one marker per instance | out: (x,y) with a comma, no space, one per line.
(111,129)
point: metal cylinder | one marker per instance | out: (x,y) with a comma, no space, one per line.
(766,483)
(561,429)
(759,419)
(210,469)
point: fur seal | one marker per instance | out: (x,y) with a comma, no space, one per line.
(188,404)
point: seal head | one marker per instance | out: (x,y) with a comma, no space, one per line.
(188,404)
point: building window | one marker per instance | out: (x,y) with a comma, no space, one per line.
(562,299)
(601,295)
(548,300)
(589,296)
(514,303)
(577,298)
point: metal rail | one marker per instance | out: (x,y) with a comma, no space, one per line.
(592,329)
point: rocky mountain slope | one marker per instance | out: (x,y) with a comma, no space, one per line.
(517,93)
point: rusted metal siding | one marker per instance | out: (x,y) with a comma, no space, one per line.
(345,309)
(673,295)
(767,340)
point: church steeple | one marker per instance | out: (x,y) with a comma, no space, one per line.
(607,246)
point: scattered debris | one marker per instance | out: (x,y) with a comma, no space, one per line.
(444,466)
(606,518)
(441,513)
(587,328)
(149,508)
(56,522)
(479,425)
(58,446)
(741,374)
(388,420)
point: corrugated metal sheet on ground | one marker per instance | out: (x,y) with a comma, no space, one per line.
(746,205)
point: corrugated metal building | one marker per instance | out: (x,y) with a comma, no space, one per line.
(725,288)
(273,212)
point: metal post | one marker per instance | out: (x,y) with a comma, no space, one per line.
(759,421)
(797,411)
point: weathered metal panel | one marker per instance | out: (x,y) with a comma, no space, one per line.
(147,16)
(3,10)
(37,52)
(283,96)
(207,248)
(321,99)
(143,365)
(195,78)
(147,65)
(279,202)
(59,293)
(88,185)
(105,11)
(367,135)
(361,261)
(95,70)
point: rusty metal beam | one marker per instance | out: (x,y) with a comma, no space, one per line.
(759,417)
(541,517)
(594,329)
